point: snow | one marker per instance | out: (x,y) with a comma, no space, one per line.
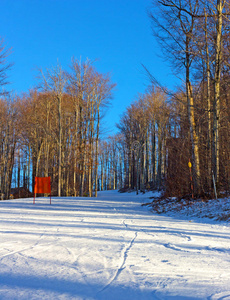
(109,247)
(216,209)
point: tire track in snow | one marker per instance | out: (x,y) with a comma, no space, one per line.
(121,268)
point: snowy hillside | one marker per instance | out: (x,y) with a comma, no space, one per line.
(109,248)
(216,209)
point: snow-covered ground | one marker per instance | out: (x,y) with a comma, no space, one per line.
(109,248)
(216,209)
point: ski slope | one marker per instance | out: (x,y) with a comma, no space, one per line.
(109,248)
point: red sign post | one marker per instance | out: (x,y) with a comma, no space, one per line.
(42,185)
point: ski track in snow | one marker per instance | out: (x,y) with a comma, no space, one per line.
(220,296)
(122,266)
(109,248)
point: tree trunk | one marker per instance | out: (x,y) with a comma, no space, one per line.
(192,125)
(209,135)
(216,103)
(59,147)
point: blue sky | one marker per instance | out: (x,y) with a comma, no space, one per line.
(116,32)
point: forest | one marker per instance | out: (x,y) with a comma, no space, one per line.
(175,141)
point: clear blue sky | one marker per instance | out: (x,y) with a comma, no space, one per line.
(117,32)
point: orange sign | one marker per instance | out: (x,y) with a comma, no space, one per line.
(42,185)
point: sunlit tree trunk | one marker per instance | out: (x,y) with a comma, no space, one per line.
(216,102)
(209,134)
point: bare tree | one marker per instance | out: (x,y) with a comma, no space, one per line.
(175,30)
(54,81)
(4,66)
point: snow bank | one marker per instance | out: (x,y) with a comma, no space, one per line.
(216,209)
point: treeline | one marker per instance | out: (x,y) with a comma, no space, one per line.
(181,141)
(153,147)
(175,141)
(54,130)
